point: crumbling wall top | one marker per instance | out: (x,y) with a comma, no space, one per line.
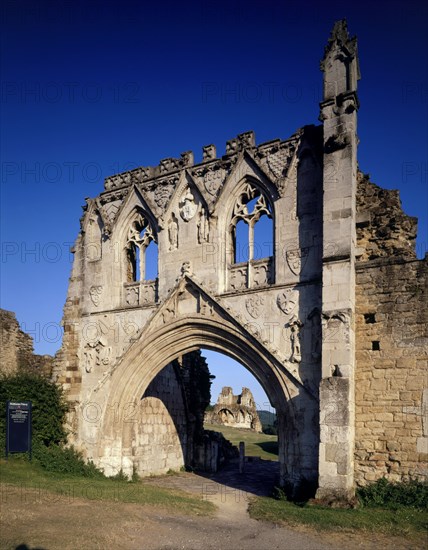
(383,229)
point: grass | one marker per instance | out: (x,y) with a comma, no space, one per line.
(20,473)
(256,444)
(400,522)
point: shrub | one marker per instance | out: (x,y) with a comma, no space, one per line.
(48,417)
(386,494)
(64,460)
(48,404)
(270,430)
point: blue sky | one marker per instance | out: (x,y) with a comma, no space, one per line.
(93,88)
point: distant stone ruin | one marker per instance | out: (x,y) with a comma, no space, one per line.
(237,411)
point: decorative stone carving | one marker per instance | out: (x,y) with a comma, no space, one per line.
(295,327)
(187,159)
(186,268)
(238,277)
(254,305)
(108,205)
(240,211)
(203,227)
(168,314)
(212,181)
(162,193)
(133,295)
(95,294)
(241,142)
(167,165)
(287,301)
(173,232)
(335,327)
(261,273)
(148,293)
(232,146)
(208,152)
(95,354)
(187,206)
(117,181)
(296,259)
(247,139)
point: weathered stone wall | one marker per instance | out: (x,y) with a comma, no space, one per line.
(16,348)
(383,229)
(391,396)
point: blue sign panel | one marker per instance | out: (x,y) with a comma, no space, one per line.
(18,427)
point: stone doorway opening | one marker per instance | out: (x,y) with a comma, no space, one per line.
(175,428)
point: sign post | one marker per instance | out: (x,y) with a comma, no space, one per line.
(18,427)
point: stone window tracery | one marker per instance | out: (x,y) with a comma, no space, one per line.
(140,237)
(251,212)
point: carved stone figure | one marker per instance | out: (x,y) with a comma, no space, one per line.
(173,232)
(203,227)
(295,327)
(208,152)
(187,206)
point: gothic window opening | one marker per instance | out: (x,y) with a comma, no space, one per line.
(151,262)
(141,252)
(241,250)
(251,232)
(263,238)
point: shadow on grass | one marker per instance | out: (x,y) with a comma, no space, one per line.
(25,547)
(269,446)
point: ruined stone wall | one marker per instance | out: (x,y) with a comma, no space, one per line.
(391,321)
(16,348)
(237,411)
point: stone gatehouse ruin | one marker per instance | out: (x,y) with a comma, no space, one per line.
(332,320)
(237,411)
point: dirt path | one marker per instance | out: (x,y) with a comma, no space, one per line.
(56,523)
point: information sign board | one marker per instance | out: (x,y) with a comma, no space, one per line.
(18,427)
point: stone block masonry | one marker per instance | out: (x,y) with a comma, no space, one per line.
(391,385)
(391,380)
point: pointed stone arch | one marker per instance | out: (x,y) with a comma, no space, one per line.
(159,347)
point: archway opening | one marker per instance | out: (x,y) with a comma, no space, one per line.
(177,430)
(240,408)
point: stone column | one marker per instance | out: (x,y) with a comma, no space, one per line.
(338,113)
